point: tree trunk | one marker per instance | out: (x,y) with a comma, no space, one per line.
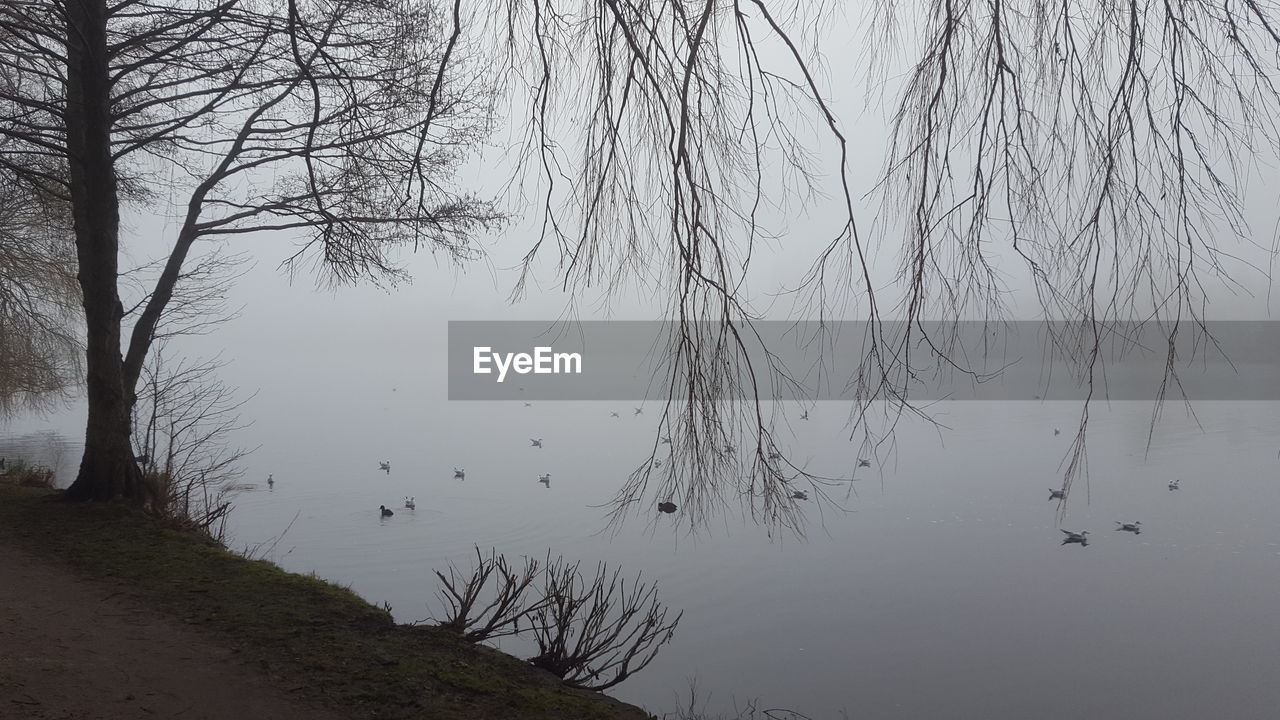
(108,470)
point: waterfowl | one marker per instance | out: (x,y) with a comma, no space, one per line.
(804,415)
(459,474)
(408,502)
(799,495)
(528,404)
(639,411)
(385,465)
(1173,484)
(545,479)
(614,414)
(1132,527)
(667,507)
(1056,431)
(386,512)
(1075,537)
(1057,494)
(271,480)
(536,443)
(864,463)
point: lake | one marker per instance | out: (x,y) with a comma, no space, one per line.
(941,590)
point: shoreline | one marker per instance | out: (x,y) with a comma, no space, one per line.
(331,648)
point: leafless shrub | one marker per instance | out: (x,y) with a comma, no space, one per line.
(24,474)
(183,418)
(595,634)
(494,578)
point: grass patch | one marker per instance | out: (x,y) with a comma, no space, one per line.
(314,637)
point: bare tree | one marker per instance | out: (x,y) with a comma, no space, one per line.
(1099,149)
(489,602)
(1101,146)
(1106,148)
(184,419)
(596,633)
(341,122)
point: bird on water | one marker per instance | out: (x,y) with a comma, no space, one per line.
(1075,537)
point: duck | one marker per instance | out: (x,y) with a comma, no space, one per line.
(545,480)
(408,502)
(639,411)
(385,466)
(536,443)
(804,415)
(667,507)
(614,414)
(1173,484)
(1075,537)
(459,474)
(799,495)
(1132,527)
(1056,431)
(386,511)
(271,482)
(862,462)
(528,404)
(1057,494)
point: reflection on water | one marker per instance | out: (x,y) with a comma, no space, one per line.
(948,589)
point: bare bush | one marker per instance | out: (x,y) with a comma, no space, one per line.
(24,474)
(492,577)
(184,417)
(596,634)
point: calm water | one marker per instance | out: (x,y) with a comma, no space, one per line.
(943,591)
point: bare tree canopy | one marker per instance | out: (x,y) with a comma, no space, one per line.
(339,121)
(1099,150)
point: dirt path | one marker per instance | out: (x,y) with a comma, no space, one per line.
(77,649)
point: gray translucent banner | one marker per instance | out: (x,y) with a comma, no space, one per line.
(810,361)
